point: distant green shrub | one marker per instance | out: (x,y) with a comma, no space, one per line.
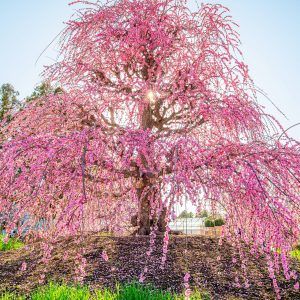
(209,223)
(212,222)
(219,222)
(202,214)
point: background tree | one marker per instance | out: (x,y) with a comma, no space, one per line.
(43,89)
(158,109)
(8,99)
(185,214)
(202,214)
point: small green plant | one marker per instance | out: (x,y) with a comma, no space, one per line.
(197,295)
(136,291)
(296,253)
(11,296)
(12,243)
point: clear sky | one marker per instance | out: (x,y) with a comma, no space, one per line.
(270,34)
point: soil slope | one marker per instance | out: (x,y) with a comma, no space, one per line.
(210,266)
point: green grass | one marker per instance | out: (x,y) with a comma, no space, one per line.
(11,296)
(12,243)
(63,291)
(296,253)
(132,291)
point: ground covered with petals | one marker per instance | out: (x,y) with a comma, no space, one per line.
(212,267)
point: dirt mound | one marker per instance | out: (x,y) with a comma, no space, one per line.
(211,266)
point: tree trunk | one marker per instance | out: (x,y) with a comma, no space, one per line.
(143,220)
(143,217)
(162,220)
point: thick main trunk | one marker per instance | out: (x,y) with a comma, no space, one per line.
(144,220)
(144,217)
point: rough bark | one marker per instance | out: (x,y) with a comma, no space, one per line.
(143,219)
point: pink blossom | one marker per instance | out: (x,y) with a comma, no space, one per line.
(247,284)
(66,256)
(186,277)
(23,266)
(80,268)
(187,290)
(42,278)
(293,274)
(141,278)
(187,293)
(104,255)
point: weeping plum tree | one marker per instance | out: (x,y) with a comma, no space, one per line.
(157,108)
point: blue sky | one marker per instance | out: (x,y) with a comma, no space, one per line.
(270,34)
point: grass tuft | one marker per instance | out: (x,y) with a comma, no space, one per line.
(61,292)
(296,253)
(11,296)
(13,243)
